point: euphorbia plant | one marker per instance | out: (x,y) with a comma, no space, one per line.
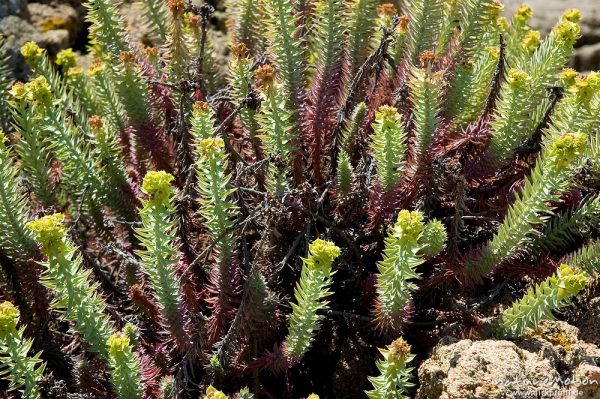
(351,169)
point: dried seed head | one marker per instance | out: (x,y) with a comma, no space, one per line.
(97,67)
(194,21)
(177,7)
(386,10)
(239,50)
(95,122)
(398,351)
(266,75)
(230,23)
(201,108)
(427,57)
(403,24)
(127,57)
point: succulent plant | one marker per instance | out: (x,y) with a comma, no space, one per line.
(172,222)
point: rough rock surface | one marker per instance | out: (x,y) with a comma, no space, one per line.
(54,27)
(13,7)
(550,363)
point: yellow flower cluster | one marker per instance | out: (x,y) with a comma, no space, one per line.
(207,146)
(214,393)
(518,78)
(568,147)
(50,232)
(31,52)
(66,59)
(572,281)
(531,40)
(323,253)
(37,90)
(9,318)
(523,14)
(118,345)
(409,224)
(158,185)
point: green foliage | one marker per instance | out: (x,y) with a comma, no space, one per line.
(426,97)
(360,27)
(539,302)
(587,258)
(15,239)
(33,148)
(395,375)
(249,27)
(424,17)
(475,18)
(155,14)
(344,175)
(388,146)
(132,89)
(276,125)
(329,34)
(5,83)
(335,117)
(310,294)
(213,185)
(107,96)
(569,226)
(157,238)
(75,298)
(532,207)
(125,367)
(408,241)
(523,98)
(21,370)
(107,29)
(283,32)
(472,85)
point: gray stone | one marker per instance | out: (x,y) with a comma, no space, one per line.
(17,32)
(13,7)
(587,58)
(47,18)
(551,360)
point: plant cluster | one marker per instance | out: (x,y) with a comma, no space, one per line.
(357,173)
